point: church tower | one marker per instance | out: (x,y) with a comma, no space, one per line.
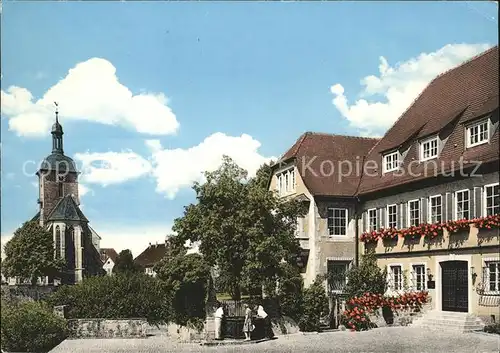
(57,175)
(60,212)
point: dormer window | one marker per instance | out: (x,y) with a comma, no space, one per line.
(286,181)
(391,161)
(477,134)
(429,148)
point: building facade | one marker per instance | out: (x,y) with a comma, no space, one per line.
(425,200)
(311,172)
(437,177)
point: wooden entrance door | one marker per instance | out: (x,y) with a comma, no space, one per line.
(455,286)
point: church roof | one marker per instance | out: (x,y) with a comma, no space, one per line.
(36,218)
(57,128)
(58,162)
(67,210)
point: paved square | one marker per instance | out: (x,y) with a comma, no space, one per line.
(382,340)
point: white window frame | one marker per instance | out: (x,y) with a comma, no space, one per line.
(368,224)
(388,216)
(468,130)
(429,208)
(456,204)
(486,263)
(346,280)
(392,280)
(333,209)
(428,141)
(286,181)
(414,276)
(408,213)
(395,162)
(485,198)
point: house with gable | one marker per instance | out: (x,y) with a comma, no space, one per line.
(315,171)
(151,256)
(108,258)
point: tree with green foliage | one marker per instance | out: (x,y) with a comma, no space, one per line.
(242,227)
(368,277)
(125,263)
(30,254)
(186,277)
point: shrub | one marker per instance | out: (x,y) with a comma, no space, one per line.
(356,318)
(315,307)
(31,327)
(366,278)
(493,328)
(290,292)
(116,297)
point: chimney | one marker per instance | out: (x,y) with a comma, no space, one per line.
(149,244)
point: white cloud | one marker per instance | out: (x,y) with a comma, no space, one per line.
(4,239)
(173,169)
(399,85)
(111,167)
(90,91)
(178,168)
(83,190)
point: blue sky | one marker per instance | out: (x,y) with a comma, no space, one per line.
(158,92)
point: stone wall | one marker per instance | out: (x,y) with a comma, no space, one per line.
(107,328)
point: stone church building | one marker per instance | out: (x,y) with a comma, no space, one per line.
(59,212)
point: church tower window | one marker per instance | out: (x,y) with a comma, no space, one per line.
(58,242)
(59,189)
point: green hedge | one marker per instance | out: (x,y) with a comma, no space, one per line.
(31,327)
(116,297)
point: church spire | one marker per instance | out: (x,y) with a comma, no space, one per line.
(57,133)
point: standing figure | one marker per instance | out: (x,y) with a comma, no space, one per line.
(219,314)
(248,325)
(261,313)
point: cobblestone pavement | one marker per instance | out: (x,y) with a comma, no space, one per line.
(382,340)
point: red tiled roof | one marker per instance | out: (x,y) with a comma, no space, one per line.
(151,255)
(108,253)
(320,149)
(459,95)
